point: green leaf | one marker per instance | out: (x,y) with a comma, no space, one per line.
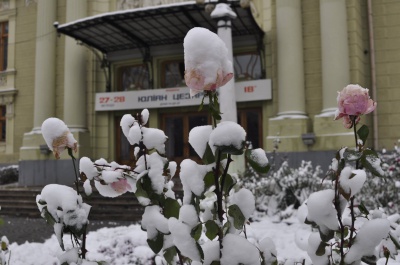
(363,133)
(369,260)
(209,180)
(352,155)
(307,222)
(229,183)
(321,249)
(395,241)
(259,168)
(371,161)
(169,254)
(211,229)
(200,251)
(196,231)
(171,208)
(208,157)
(363,209)
(47,216)
(230,149)
(237,215)
(156,243)
(140,192)
(226,227)
(42,202)
(202,103)
(326,235)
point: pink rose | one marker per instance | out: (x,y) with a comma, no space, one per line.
(196,80)
(207,63)
(121,186)
(353,101)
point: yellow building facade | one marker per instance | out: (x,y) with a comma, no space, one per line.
(290,59)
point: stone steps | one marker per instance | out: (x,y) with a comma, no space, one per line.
(18,201)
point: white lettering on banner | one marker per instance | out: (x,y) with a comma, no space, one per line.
(254,90)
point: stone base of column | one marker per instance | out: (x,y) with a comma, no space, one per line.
(330,134)
(289,130)
(32,142)
(38,167)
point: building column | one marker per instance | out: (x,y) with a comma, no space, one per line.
(335,51)
(45,63)
(44,85)
(335,73)
(75,82)
(291,121)
(75,73)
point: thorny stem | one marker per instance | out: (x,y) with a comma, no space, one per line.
(83,247)
(339,216)
(218,192)
(353,120)
(214,122)
(225,172)
(76,174)
(179,256)
(353,218)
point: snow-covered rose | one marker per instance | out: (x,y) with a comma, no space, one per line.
(121,186)
(57,136)
(207,66)
(354,101)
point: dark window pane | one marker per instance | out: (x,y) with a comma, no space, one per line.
(253,128)
(135,77)
(195,121)
(247,66)
(125,148)
(173,74)
(5,53)
(3,123)
(174,131)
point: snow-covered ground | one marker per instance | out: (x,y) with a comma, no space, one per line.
(127,244)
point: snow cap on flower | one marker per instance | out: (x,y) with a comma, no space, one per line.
(353,101)
(207,66)
(57,136)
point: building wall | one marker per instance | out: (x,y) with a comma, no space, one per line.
(387,42)
(25,39)
(100,125)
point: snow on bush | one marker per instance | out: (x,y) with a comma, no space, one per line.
(209,225)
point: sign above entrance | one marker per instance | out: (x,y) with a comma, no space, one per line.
(254,90)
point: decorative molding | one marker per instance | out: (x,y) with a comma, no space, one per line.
(29,2)
(130,4)
(4,75)
(4,5)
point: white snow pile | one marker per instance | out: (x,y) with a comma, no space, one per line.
(65,207)
(192,177)
(135,132)
(321,209)
(351,180)
(368,237)
(227,133)
(198,138)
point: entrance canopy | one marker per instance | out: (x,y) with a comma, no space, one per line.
(153,26)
